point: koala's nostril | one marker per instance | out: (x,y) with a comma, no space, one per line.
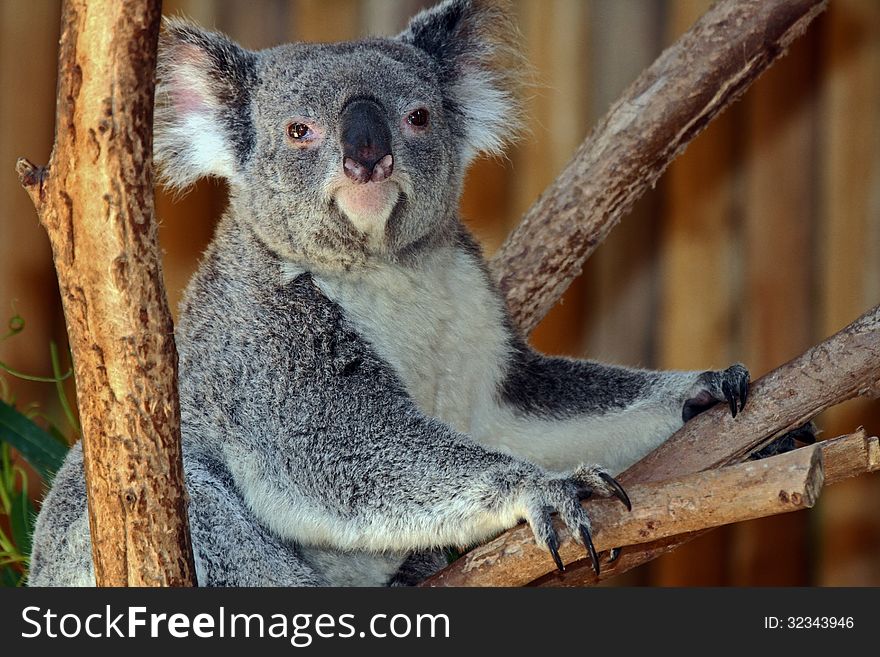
(383,168)
(355,170)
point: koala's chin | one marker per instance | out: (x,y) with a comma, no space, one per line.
(368,207)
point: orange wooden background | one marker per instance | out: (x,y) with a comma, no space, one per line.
(762,238)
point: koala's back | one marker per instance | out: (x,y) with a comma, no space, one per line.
(231,548)
(62,546)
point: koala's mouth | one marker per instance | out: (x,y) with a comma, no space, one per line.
(368,200)
(368,205)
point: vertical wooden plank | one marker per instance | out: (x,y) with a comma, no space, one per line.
(850,157)
(557,121)
(256,24)
(28,286)
(383,18)
(485,203)
(324,20)
(531,155)
(380,18)
(621,277)
(779,212)
(201,12)
(698,287)
(28,62)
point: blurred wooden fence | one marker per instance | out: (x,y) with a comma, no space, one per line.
(762,238)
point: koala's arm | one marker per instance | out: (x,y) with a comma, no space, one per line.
(333,452)
(373,473)
(359,467)
(559,412)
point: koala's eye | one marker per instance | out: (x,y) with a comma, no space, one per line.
(418,118)
(297,131)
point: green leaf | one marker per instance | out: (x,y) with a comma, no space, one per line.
(37,446)
(9,576)
(21,522)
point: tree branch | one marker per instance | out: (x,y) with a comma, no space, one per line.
(849,456)
(662,510)
(844,366)
(95,200)
(845,457)
(670,103)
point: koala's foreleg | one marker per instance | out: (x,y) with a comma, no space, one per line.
(560,412)
(390,479)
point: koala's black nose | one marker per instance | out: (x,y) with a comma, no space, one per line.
(366,141)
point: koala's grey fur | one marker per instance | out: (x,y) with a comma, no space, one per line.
(353,396)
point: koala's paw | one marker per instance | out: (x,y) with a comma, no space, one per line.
(564,495)
(730,385)
(804,434)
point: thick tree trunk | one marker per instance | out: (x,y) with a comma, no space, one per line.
(95,200)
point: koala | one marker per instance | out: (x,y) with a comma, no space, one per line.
(354,396)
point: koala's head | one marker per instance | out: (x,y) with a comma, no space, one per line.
(336,152)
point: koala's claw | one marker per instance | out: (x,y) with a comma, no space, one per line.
(730,385)
(619,493)
(735,387)
(730,396)
(737,379)
(594,479)
(588,543)
(564,495)
(553,546)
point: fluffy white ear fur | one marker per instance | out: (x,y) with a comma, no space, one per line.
(488,113)
(191,137)
(474,45)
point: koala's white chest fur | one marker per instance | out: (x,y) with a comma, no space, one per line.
(438,324)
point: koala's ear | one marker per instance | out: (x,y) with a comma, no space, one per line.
(203,123)
(474,45)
